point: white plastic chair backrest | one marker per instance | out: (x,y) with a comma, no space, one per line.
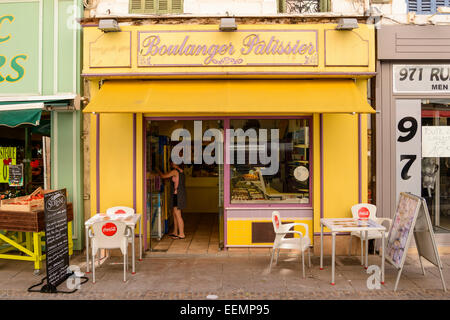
(120,210)
(109,234)
(364,211)
(276,221)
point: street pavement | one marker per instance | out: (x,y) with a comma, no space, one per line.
(233,275)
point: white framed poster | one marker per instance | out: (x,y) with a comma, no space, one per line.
(436,141)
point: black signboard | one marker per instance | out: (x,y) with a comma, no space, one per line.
(56,239)
(16,175)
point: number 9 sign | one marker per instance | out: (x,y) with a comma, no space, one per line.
(408,146)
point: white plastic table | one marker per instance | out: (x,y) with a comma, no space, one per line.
(132,222)
(349,225)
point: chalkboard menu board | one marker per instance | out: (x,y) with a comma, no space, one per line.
(56,238)
(16,175)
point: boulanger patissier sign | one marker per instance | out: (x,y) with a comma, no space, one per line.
(242,48)
(433,78)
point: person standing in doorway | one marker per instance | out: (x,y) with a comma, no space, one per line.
(177,198)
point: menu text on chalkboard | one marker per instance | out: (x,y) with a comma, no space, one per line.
(16,175)
(56,237)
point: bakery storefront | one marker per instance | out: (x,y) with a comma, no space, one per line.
(413,123)
(268,117)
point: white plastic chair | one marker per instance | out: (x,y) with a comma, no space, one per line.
(281,242)
(367,211)
(125,211)
(120,209)
(109,235)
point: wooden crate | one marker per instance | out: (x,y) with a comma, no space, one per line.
(25,206)
(31,221)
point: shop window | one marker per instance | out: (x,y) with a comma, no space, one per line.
(303,6)
(156,6)
(426,6)
(436,161)
(274,163)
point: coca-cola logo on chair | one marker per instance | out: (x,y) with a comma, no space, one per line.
(363,213)
(277,222)
(120,211)
(109,229)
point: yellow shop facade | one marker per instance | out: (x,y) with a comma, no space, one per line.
(299,90)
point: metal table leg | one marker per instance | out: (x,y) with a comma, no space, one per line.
(321,246)
(367,249)
(140,239)
(382,257)
(133,255)
(362,247)
(86,231)
(333,256)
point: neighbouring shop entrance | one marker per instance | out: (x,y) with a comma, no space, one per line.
(436,161)
(203,212)
(25,158)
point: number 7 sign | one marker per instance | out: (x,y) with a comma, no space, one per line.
(408,146)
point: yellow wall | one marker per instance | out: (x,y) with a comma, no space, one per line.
(116,160)
(340,164)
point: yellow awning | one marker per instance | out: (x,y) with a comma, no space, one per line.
(229,97)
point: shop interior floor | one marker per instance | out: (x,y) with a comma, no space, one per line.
(202,236)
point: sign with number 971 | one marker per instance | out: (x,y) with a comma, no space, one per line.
(408,146)
(421,78)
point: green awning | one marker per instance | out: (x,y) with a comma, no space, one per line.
(20,114)
(44,128)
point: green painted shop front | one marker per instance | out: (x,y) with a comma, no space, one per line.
(40,66)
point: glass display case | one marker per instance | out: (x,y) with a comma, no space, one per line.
(290,183)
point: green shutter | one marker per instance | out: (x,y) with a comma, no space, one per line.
(156,6)
(177,6)
(281,6)
(149,6)
(163,6)
(135,6)
(324,5)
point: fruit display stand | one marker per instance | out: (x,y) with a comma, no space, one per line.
(24,231)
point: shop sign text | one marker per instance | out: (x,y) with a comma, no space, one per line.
(242,48)
(17,71)
(8,156)
(421,78)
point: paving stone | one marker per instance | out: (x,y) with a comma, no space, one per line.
(182,276)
